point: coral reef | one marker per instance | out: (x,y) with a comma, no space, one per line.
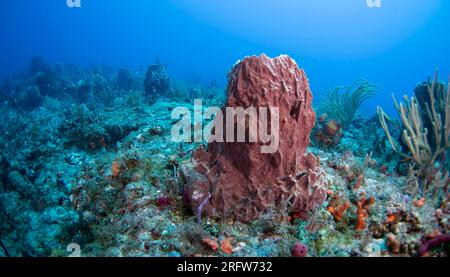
(424,146)
(236,178)
(85,161)
(28,99)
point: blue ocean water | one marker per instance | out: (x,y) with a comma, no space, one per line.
(396,45)
(106,111)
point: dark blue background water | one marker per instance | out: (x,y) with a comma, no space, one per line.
(335,41)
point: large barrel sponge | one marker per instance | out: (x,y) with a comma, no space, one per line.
(236,180)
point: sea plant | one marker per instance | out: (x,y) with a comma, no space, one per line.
(421,151)
(341,103)
(415,135)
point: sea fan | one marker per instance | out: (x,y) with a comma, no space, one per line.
(342,103)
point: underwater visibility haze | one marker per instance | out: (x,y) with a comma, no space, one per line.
(192,128)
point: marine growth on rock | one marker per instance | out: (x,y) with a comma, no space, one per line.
(245,183)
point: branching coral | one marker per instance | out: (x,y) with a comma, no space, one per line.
(415,135)
(342,103)
(433,187)
(423,149)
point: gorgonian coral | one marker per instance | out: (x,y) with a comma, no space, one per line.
(341,103)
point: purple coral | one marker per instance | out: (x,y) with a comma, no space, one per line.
(201,206)
(432,243)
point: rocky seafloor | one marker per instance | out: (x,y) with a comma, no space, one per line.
(104,174)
